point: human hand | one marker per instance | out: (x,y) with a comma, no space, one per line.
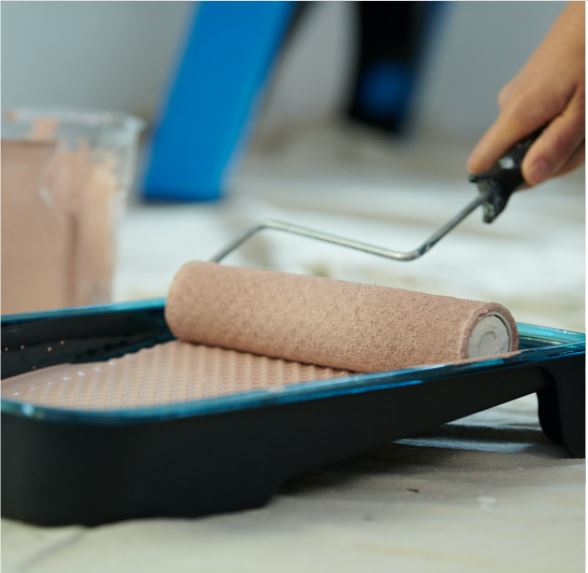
(548,91)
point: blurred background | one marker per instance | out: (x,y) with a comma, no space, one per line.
(355,118)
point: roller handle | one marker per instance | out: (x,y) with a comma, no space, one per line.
(503,178)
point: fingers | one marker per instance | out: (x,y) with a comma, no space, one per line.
(577,158)
(556,145)
(509,90)
(548,93)
(519,117)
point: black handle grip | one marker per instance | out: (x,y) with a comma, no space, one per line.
(503,178)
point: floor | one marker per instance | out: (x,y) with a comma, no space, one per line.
(485,493)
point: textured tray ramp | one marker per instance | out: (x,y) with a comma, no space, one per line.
(164,374)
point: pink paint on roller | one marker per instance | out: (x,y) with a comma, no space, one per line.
(331,323)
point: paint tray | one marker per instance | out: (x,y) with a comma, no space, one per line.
(66,466)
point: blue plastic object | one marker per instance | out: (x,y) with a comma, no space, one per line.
(226,60)
(386,88)
(394,41)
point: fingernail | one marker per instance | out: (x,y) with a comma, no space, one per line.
(539,170)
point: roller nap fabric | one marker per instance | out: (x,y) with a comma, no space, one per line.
(330,323)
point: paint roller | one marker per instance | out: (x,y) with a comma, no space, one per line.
(331,323)
(337,324)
